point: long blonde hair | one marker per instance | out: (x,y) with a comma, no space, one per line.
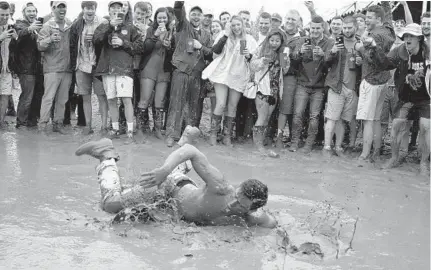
(243,34)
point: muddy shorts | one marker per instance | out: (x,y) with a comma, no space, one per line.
(118,86)
(86,82)
(6,84)
(341,106)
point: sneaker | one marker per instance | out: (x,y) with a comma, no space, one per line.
(102,149)
(130,139)
(114,134)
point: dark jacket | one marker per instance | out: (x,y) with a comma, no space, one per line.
(24,55)
(311,74)
(398,58)
(336,66)
(182,60)
(153,45)
(117,61)
(291,43)
(374,57)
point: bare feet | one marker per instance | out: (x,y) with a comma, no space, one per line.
(190,136)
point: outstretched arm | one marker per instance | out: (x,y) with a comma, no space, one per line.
(407,13)
(213,178)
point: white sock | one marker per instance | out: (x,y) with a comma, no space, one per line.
(115,125)
(130,127)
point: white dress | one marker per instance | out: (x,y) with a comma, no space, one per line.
(230,67)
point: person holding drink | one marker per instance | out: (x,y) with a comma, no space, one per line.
(83,61)
(156,69)
(343,81)
(309,61)
(230,74)
(270,64)
(119,40)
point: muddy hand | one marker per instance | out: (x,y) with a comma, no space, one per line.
(153,178)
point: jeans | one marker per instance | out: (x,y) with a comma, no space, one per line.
(28,84)
(57,86)
(304,95)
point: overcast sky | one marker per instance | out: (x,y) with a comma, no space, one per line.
(217,6)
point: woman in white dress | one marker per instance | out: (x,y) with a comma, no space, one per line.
(230,73)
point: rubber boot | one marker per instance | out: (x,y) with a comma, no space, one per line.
(102,149)
(227,131)
(215,127)
(258,137)
(158,123)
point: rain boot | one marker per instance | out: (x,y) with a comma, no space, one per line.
(215,127)
(227,130)
(102,149)
(158,123)
(258,137)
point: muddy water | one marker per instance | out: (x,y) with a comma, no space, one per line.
(50,217)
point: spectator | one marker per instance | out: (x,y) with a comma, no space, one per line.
(411,60)
(360,20)
(269,72)
(207,21)
(54,42)
(426,27)
(192,47)
(230,73)
(291,36)
(156,68)
(119,41)
(264,26)
(26,60)
(224,17)
(336,26)
(83,61)
(276,21)
(311,77)
(245,16)
(374,80)
(15,85)
(5,75)
(343,81)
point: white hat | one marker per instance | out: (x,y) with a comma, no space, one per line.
(413,29)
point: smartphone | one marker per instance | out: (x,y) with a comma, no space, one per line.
(40,19)
(339,40)
(307,41)
(9,27)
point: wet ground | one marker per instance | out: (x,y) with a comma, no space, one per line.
(50,216)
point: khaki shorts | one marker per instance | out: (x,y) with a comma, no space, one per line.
(371,99)
(118,86)
(6,84)
(341,106)
(86,82)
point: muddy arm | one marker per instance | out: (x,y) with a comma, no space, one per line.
(213,178)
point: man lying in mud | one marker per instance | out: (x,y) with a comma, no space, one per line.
(215,203)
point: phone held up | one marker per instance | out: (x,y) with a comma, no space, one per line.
(339,40)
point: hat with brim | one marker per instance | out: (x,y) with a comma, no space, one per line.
(413,29)
(276,17)
(196,8)
(115,2)
(57,3)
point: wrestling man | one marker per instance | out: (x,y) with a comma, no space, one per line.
(215,203)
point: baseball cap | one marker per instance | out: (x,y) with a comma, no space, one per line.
(115,2)
(196,8)
(57,3)
(413,29)
(277,17)
(26,5)
(208,12)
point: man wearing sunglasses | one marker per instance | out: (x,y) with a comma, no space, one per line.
(215,203)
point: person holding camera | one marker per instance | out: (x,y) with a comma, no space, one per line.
(309,59)
(7,33)
(343,81)
(119,41)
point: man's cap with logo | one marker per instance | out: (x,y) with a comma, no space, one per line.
(57,3)
(277,17)
(196,8)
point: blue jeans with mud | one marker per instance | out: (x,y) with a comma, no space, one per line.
(28,84)
(303,96)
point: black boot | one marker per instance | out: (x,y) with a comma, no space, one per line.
(215,127)
(227,130)
(158,123)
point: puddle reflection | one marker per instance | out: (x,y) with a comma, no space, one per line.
(12,155)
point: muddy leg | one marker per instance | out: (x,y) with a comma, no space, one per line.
(424,125)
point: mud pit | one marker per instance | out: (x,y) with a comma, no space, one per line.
(50,216)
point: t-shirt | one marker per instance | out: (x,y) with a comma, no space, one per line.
(417,62)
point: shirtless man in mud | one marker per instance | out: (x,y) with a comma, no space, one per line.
(215,203)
